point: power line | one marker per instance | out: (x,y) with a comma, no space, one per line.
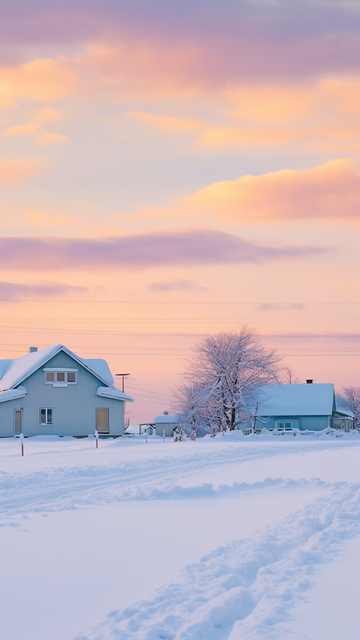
(190,302)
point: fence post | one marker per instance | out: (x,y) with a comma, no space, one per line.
(146,434)
(164,434)
(96,439)
(22,444)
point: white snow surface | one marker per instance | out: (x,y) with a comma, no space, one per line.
(227,538)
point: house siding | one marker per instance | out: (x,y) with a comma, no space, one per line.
(74,406)
(168,427)
(313,423)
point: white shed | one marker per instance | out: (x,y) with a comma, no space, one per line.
(166,423)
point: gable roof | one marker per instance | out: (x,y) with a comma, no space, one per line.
(297,400)
(14,372)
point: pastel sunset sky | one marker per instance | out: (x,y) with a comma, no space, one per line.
(169,169)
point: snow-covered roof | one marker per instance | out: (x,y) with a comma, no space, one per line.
(14,372)
(166,418)
(112,392)
(100,367)
(341,406)
(13,394)
(297,400)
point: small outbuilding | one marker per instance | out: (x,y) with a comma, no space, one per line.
(166,423)
(55,392)
(300,406)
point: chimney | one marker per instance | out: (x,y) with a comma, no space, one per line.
(310,381)
(32,349)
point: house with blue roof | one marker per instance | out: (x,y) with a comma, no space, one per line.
(300,406)
(53,391)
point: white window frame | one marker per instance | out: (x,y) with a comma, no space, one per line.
(47,423)
(281,424)
(55,371)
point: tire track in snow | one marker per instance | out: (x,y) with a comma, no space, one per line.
(78,485)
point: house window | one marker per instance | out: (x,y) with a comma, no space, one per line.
(46,416)
(102,420)
(285,425)
(60,377)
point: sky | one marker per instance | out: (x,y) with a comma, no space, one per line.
(173,169)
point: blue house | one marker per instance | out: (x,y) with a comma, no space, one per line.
(55,392)
(300,406)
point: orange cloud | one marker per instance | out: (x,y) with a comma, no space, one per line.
(34,129)
(39,80)
(167,123)
(29,129)
(46,137)
(47,114)
(319,138)
(15,171)
(273,104)
(330,190)
(233,137)
(47,220)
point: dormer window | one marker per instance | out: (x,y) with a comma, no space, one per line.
(60,377)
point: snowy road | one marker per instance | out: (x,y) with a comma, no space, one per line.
(84,532)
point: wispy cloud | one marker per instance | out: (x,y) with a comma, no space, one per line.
(34,129)
(18,291)
(44,220)
(40,80)
(13,172)
(292,306)
(166,123)
(175,285)
(141,251)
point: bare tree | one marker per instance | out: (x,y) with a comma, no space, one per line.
(224,377)
(289,376)
(191,416)
(350,399)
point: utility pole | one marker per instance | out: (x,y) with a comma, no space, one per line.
(122,375)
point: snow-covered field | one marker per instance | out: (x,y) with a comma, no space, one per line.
(233,537)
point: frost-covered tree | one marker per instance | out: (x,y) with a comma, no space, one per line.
(191,416)
(223,379)
(350,399)
(289,376)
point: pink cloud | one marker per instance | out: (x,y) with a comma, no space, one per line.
(140,251)
(175,285)
(236,39)
(10,291)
